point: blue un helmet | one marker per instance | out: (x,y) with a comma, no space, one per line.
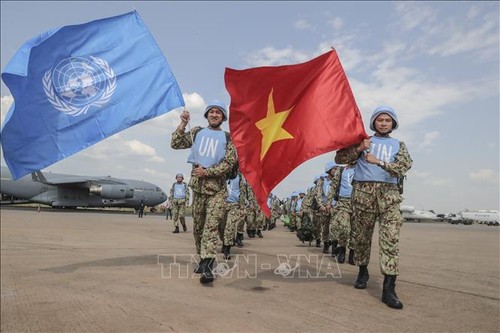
(329,166)
(219,105)
(384,109)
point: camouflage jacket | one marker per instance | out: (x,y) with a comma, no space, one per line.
(171,194)
(215,181)
(402,162)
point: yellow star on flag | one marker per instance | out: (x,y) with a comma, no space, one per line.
(271,126)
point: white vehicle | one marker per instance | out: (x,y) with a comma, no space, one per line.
(457,219)
(489,217)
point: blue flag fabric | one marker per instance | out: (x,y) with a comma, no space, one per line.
(77,85)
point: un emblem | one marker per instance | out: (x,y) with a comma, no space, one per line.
(76,84)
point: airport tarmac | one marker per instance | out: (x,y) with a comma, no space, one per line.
(74,271)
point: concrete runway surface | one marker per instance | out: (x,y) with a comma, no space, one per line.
(76,271)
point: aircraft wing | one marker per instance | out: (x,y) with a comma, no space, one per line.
(74,180)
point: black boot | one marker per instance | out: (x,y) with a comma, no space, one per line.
(341,255)
(227,252)
(239,240)
(389,296)
(318,242)
(326,247)
(223,249)
(251,233)
(265,227)
(363,277)
(351,257)
(199,269)
(259,233)
(176,231)
(207,276)
(272,226)
(335,249)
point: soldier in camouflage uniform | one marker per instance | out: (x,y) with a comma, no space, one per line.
(315,213)
(381,161)
(321,192)
(179,199)
(275,212)
(341,221)
(260,219)
(235,204)
(251,213)
(213,156)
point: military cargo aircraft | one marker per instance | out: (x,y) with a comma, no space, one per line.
(411,214)
(71,191)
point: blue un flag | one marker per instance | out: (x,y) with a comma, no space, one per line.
(77,85)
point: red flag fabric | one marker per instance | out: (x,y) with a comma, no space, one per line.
(283,116)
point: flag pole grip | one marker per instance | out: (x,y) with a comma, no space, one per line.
(192,144)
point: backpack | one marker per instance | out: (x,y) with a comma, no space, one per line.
(306,232)
(234,170)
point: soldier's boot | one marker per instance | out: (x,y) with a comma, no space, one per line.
(335,249)
(351,257)
(363,277)
(198,269)
(265,227)
(176,231)
(389,296)
(183,222)
(251,233)
(341,255)
(207,276)
(272,226)
(239,240)
(227,252)
(223,249)
(259,233)
(326,247)
(318,242)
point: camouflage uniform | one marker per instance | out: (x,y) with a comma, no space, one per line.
(209,195)
(179,206)
(324,215)
(378,200)
(234,214)
(315,213)
(305,208)
(275,211)
(340,222)
(251,211)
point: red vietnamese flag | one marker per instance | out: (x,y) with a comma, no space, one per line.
(283,116)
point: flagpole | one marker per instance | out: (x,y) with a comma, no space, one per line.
(192,143)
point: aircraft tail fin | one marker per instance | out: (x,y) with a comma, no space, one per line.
(38,176)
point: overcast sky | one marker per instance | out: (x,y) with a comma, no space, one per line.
(436,63)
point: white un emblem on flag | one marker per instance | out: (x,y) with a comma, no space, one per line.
(76,84)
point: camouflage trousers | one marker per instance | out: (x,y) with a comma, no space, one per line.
(340,223)
(297,220)
(324,222)
(208,213)
(275,215)
(372,201)
(316,225)
(233,216)
(251,219)
(178,210)
(260,219)
(240,228)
